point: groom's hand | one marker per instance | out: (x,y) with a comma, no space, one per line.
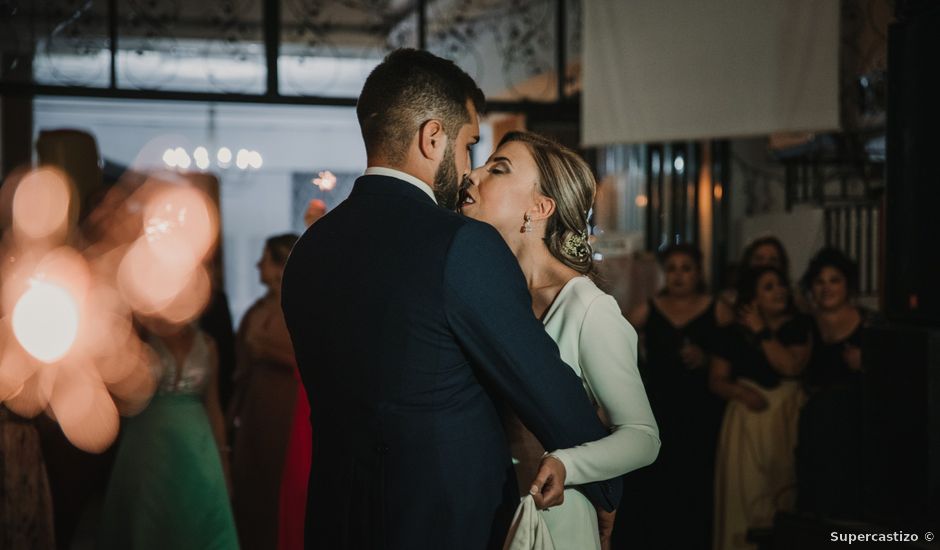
(548,489)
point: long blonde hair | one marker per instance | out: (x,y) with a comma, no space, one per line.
(565,178)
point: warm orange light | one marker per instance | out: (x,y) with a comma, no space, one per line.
(81,405)
(326,181)
(45,321)
(162,275)
(16,367)
(180,219)
(133,392)
(67,342)
(41,204)
(191,301)
(641,201)
(719,191)
(150,282)
(34,394)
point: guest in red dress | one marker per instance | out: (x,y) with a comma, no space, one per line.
(270,413)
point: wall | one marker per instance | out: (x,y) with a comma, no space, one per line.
(255,204)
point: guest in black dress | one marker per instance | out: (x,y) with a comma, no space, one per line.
(829,442)
(677,327)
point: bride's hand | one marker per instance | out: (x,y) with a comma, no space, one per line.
(548,488)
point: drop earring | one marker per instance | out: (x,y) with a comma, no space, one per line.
(527,226)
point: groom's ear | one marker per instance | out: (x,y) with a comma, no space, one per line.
(544,208)
(432,140)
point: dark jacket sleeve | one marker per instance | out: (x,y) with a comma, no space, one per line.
(490,311)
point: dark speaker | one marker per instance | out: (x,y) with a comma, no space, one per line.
(912,272)
(901,426)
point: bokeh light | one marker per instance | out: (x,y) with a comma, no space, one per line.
(162,274)
(182,158)
(68,344)
(83,408)
(180,216)
(326,180)
(16,366)
(45,321)
(224,156)
(254,160)
(41,204)
(169,158)
(241,159)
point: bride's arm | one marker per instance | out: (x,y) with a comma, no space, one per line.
(608,357)
(489,311)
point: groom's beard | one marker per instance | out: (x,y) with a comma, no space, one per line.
(445,180)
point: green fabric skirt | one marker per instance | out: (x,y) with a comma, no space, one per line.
(167,489)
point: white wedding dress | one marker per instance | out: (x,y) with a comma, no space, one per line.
(600,346)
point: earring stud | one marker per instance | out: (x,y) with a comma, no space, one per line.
(527,226)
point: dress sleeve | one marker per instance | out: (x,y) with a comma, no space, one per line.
(490,311)
(608,358)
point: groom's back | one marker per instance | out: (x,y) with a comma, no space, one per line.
(408,451)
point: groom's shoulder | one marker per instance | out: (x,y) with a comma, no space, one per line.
(459,227)
(477,242)
(470,230)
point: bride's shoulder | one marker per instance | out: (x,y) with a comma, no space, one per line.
(586,288)
(582,294)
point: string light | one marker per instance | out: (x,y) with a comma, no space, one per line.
(245,159)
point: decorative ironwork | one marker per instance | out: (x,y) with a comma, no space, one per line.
(239,42)
(216,50)
(151,51)
(170,44)
(54,41)
(505,46)
(355,34)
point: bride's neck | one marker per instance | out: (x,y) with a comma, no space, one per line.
(540,268)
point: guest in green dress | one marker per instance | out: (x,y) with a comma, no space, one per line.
(168,487)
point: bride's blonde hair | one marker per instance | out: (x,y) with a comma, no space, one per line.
(565,178)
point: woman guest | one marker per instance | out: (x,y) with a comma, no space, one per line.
(767,250)
(167,488)
(271,452)
(678,327)
(762,251)
(537,194)
(829,449)
(755,369)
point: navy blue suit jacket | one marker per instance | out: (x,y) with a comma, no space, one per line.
(400,312)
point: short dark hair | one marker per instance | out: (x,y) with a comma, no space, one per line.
(693,253)
(408,88)
(279,246)
(831,256)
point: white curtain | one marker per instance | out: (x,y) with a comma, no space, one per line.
(658,70)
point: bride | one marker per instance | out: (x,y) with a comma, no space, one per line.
(537,194)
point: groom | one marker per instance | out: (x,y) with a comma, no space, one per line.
(408,320)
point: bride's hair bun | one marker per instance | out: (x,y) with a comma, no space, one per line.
(565,178)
